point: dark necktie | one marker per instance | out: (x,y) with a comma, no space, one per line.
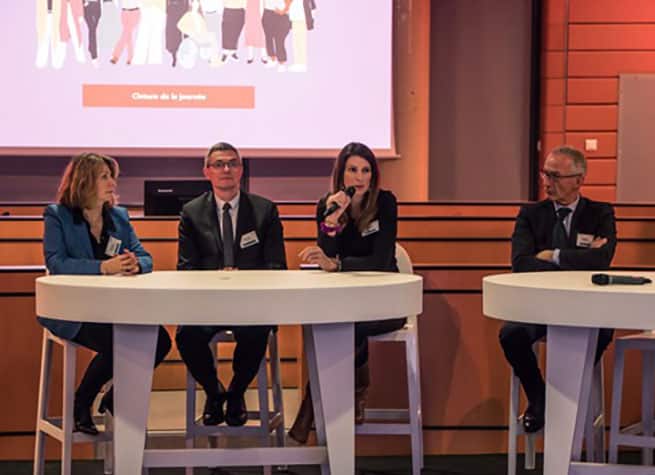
(560,240)
(228,237)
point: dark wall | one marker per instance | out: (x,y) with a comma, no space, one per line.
(480,99)
(35,179)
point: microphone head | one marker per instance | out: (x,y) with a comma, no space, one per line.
(350,191)
(600,279)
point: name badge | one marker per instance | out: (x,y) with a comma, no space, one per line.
(249,239)
(372,228)
(584,240)
(113,246)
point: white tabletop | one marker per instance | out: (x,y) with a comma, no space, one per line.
(569,298)
(230,297)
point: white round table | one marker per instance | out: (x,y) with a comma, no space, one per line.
(573,309)
(326,304)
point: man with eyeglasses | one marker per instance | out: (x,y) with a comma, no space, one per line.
(227,229)
(566,231)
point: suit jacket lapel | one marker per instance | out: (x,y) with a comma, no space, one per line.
(245,222)
(549,221)
(81,233)
(573,232)
(212,222)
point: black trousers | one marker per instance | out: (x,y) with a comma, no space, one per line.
(233,21)
(276,29)
(193,344)
(517,340)
(175,9)
(365,329)
(92,12)
(99,337)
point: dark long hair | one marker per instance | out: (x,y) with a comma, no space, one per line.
(370,201)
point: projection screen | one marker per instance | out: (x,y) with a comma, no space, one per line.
(169,77)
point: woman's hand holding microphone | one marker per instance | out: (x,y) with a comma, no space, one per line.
(335,205)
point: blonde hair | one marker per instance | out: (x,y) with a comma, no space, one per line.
(77,188)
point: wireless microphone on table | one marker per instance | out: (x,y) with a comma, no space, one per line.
(608,279)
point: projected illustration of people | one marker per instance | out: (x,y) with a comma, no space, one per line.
(47,33)
(130,16)
(149,46)
(302,20)
(70,27)
(234,18)
(199,41)
(255,41)
(277,25)
(175,9)
(92,13)
(212,10)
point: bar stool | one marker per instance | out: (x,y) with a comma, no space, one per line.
(594,432)
(408,335)
(269,421)
(641,433)
(61,428)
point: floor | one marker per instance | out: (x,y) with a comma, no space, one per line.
(495,464)
(166,419)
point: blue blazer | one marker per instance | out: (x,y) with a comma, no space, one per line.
(67,250)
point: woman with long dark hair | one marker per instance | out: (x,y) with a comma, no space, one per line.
(359,236)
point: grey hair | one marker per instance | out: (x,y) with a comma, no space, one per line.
(576,156)
(221,147)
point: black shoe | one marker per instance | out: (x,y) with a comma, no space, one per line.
(533,419)
(83,420)
(107,402)
(236,414)
(212,414)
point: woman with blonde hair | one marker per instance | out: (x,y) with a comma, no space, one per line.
(85,233)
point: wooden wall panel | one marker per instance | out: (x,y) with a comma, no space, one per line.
(450,252)
(591,117)
(606,37)
(21,447)
(606,142)
(600,192)
(601,172)
(553,118)
(611,11)
(551,140)
(554,64)
(554,92)
(593,91)
(609,63)
(18,282)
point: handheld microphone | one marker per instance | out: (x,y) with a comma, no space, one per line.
(606,279)
(350,191)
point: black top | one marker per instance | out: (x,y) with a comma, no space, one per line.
(374,249)
(533,232)
(98,247)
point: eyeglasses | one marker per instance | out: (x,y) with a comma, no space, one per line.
(554,176)
(220,164)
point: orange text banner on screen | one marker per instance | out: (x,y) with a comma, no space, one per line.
(168,96)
